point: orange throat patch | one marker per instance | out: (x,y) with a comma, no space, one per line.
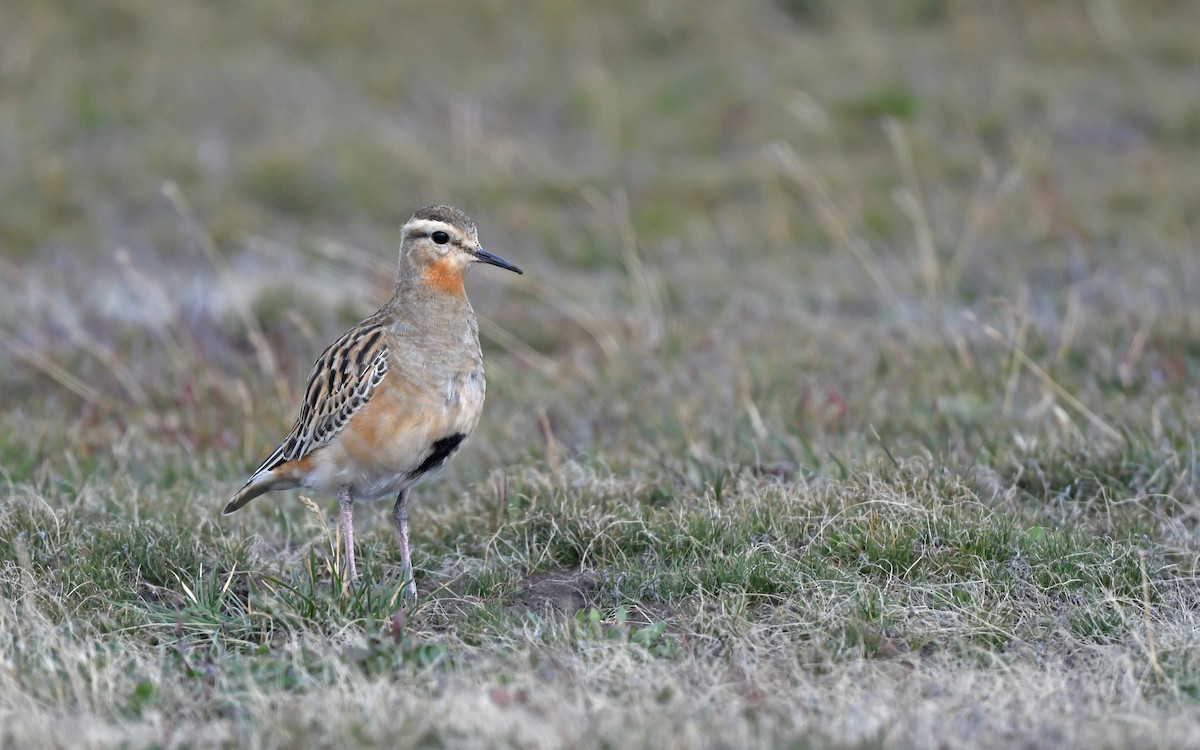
(443,276)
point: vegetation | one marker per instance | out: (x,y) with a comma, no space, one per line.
(851,397)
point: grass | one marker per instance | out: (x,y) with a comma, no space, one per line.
(851,398)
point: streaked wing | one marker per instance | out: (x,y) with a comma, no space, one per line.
(342,380)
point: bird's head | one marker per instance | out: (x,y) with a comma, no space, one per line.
(440,244)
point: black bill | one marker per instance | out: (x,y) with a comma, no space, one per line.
(495,260)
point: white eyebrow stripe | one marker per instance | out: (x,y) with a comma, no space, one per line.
(427,227)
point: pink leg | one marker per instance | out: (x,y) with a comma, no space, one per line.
(347,503)
(400,518)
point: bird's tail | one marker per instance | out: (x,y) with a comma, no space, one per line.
(259,484)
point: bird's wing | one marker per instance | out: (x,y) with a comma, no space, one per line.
(342,380)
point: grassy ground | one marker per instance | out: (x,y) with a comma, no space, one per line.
(851,397)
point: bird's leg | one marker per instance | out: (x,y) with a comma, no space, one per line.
(347,503)
(400,518)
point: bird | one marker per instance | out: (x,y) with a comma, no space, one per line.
(389,403)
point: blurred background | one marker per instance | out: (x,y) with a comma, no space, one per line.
(750,230)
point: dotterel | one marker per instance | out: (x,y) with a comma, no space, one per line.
(392,400)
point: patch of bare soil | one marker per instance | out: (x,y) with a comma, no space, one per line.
(567,590)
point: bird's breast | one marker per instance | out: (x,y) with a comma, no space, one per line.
(409,429)
(464,391)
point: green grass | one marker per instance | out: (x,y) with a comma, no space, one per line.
(851,397)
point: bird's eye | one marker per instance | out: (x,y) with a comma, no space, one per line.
(440,238)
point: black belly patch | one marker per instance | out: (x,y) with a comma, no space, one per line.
(438,453)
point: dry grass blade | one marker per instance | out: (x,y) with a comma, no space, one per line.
(793,166)
(1052,385)
(262,348)
(59,374)
(112,362)
(912,202)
